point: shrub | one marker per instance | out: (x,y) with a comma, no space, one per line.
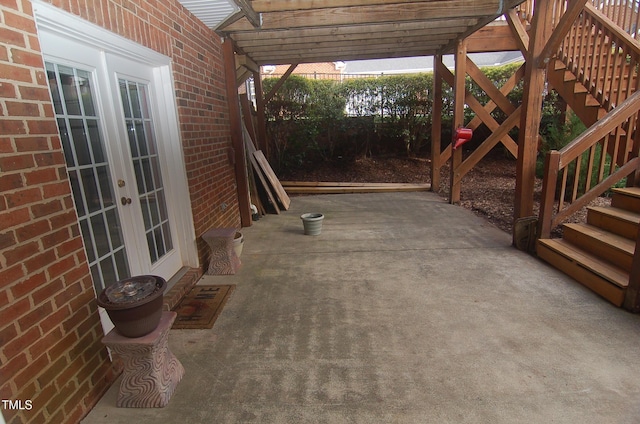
(311,119)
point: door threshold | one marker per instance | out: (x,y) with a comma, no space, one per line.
(179,285)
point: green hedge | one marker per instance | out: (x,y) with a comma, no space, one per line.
(310,119)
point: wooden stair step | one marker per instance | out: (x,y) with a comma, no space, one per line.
(627,198)
(608,246)
(616,220)
(579,88)
(599,276)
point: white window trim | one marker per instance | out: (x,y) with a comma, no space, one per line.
(59,22)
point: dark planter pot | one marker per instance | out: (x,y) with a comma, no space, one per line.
(134,304)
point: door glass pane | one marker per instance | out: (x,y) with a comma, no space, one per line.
(89,174)
(146,164)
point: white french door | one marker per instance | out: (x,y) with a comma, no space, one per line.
(141,184)
(118,129)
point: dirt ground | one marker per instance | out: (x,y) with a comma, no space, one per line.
(488,190)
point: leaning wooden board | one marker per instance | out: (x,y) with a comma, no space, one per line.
(281,194)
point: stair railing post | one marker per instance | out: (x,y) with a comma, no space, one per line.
(632,295)
(549,182)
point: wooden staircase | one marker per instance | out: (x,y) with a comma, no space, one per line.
(581,101)
(595,71)
(599,253)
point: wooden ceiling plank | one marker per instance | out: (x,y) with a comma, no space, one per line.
(353,54)
(355,44)
(287,5)
(308,41)
(338,16)
(426,51)
(278,34)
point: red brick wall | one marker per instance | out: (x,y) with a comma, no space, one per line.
(50,349)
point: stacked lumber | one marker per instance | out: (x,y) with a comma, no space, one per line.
(266,191)
(305,187)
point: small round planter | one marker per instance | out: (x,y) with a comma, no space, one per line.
(312,223)
(134,304)
(238,243)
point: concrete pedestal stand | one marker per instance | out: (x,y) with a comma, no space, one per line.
(224,260)
(151,371)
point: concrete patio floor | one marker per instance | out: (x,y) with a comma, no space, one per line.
(404,310)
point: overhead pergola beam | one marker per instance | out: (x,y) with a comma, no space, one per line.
(373,30)
(339,51)
(243,60)
(307,31)
(252,16)
(287,5)
(267,44)
(366,15)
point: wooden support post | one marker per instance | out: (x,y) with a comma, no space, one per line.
(237,141)
(261,120)
(531,111)
(632,295)
(562,28)
(458,118)
(436,126)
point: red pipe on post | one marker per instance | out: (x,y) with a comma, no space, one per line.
(461,136)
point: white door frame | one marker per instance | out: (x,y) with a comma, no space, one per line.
(54,23)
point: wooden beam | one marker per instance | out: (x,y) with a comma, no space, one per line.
(559,33)
(496,136)
(337,47)
(261,120)
(237,140)
(336,41)
(365,15)
(342,50)
(445,74)
(486,118)
(340,31)
(632,294)
(241,75)
(436,125)
(244,60)
(531,112)
(487,85)
(519,31)
(281,81)
(349,54)
(252,16)
(287,5)
(492,38)
(505,89)
(230,20)
(458,118)
(373,188)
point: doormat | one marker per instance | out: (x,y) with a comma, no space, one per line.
(201,306)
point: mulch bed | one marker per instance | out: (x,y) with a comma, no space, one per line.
(488,190)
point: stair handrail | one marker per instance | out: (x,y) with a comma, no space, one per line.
(557,163)
(623,13)
(608,71)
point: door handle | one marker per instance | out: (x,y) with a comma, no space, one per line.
(125,200)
